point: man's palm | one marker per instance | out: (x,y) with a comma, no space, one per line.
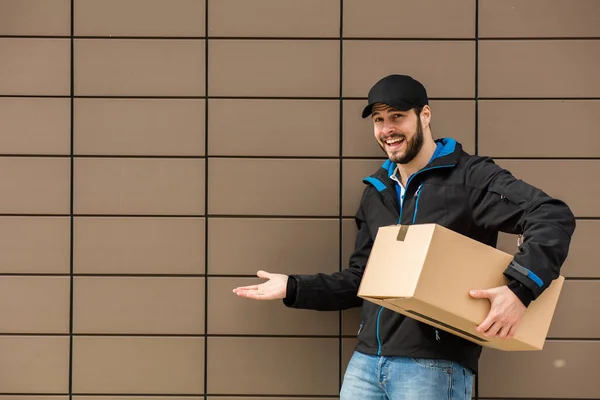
(274,288)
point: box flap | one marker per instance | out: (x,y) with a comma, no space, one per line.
(396,260)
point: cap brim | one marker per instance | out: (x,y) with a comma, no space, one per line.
(400,106)
(367,111)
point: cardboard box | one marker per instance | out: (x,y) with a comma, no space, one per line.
(426,271)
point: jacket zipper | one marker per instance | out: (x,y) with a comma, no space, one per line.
(401,203)
(418,193)
(377,331)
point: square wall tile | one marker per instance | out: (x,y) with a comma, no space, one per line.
(522,128)
(35,17)
(301,187)
(282,68)
(168,18)
(34,364)
(274,127)
(35,126)
(19,397)
(24,179)
(35,245)
(523,68)
(139,127)
(242,246)
(139,245)
(539,18)
(274,18)
(139,67)
(139,186)
(134,365)
(34,304)
(35,67)
(128,305)
(413,19)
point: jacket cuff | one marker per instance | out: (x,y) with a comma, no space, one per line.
(521,291)
(526,277)
(291,292)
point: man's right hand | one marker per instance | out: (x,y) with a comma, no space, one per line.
(274,288)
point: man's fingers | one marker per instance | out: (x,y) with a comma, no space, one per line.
(505,311)
(493,330)
(511,332)
(480,294)
(486,324)
(246,291)
(251,287)
(263,274)
(504,331)
(256,295)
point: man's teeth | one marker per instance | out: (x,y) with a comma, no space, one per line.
(392,141)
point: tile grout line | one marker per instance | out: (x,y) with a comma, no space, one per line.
(476,76)
(173,157)
(206,213)
(475,393)
(309,38)
(72,199)
(341,189)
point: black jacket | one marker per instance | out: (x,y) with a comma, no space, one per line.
(467,194)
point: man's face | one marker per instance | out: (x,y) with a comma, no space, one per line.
(399,133)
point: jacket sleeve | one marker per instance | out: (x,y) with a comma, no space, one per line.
(337,291)
(499,201)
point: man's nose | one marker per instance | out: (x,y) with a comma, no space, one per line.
(387,128)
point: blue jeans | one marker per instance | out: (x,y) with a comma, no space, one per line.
(405,378)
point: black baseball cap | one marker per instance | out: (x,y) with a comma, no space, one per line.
(399,91)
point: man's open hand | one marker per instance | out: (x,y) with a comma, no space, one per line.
(274,288)
(505,312)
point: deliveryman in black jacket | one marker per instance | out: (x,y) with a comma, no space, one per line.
(430,181)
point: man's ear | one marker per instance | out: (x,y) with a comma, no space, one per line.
(425,115)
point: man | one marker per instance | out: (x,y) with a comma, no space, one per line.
(430,181)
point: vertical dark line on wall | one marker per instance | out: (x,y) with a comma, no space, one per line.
(206,199)
(341,157)
(71,199)
(476,379)
(476,76)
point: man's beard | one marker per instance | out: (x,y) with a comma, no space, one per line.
(413,147)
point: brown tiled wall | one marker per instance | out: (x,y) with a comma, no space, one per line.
(154,154)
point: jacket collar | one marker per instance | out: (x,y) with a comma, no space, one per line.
(447,154)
